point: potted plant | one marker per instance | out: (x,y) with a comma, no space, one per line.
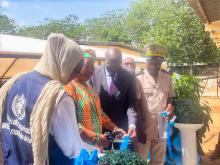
(192,115)
(125,157)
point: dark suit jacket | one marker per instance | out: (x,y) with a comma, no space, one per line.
(121,106)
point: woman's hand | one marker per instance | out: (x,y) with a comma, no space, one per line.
(103,141)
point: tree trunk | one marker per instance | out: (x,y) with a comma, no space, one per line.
(190,69)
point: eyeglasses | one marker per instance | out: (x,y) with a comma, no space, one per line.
(129,63)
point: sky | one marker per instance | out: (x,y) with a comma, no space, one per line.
(33,12)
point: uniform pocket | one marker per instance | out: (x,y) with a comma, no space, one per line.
(148,92)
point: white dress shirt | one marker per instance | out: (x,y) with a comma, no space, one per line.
(108,80)
(64,129)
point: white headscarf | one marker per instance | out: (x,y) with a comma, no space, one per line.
(59,59)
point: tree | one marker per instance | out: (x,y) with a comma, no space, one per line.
(110,27)
(7,26)
(69,26)
(173,24)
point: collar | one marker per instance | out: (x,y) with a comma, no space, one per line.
(148,74)
(108,74)
(150,78)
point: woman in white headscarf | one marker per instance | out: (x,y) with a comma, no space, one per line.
(34,107)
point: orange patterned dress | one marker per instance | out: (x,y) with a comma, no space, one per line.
(88,108)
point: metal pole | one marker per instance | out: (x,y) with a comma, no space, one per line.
(8,68)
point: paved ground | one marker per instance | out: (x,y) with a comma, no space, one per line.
(212,136)
(206,161)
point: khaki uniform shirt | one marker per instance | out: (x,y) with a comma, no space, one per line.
(154,97)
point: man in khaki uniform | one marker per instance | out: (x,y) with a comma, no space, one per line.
(129,64)
(156,93)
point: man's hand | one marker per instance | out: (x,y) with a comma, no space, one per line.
(103,142)
(170,109)
(119,132)
(132,133)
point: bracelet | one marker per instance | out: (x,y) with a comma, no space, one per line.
(80,127)
(96,139)
(115,128)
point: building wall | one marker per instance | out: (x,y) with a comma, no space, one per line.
(124,50)
(26,64)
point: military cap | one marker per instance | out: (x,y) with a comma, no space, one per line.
(154,50)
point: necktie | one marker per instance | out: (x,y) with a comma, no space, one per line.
(112,85)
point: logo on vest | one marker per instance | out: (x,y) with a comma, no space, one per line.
(18,106)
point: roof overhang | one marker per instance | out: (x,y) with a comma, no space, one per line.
(209,12)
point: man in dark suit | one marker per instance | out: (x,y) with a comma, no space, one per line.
(116,89)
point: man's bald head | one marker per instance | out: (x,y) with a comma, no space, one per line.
(113,59)
(129,62)
(113,53)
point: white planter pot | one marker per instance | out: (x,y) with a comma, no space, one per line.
(188,142)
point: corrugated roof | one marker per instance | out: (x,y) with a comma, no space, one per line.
(211,9)
(209,12)
(119,44)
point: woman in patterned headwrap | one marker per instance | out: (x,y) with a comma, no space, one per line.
(90,117)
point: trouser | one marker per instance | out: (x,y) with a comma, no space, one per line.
(157,149)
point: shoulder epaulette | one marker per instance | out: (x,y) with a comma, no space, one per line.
(164,71)
(139,73)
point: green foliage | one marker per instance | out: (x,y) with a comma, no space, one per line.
(116,157)
(187,87)
(172,23)
(110,27)
(69,26)
(7,26)
(175,25)
(191,112)
(188,106)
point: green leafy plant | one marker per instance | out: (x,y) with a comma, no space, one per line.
(187,87)
(117,157)
(188,106)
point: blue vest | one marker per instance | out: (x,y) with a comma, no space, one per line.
(16,137)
